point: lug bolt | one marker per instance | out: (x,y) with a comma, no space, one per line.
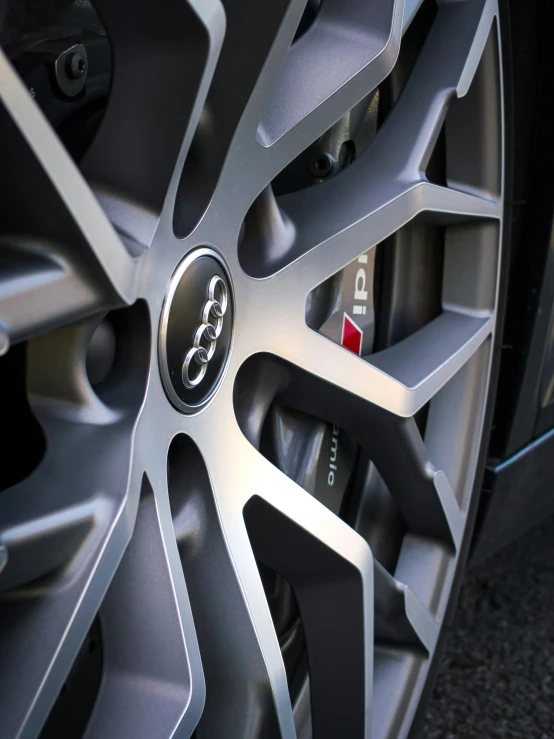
(71,70)
(76,66)
(321,166)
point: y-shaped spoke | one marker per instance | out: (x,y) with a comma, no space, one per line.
(164,56)
(324,560)
(326,73)
(246,688)
(153,682)
(247,69)
(386,187)
(59,249)
(326,243)
(306,86)
(64,534)
(400,379)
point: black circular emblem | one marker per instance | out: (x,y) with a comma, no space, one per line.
(195,330)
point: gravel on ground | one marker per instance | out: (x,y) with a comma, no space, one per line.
(497,673)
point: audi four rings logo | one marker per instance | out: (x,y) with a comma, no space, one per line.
(196,361)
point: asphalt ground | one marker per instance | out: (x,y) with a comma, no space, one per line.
(497,673)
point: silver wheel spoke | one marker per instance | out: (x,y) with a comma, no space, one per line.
(245,677)
(153,683)
(271,68)
(422,492)
(50,531)
(410,9)
(386,187)
(304,88)
(217,154)
(323,247)
(386,379)
(325,74)
(444,70)
(72,538)
(437,351)
(321,549)
(400,617)
(164,58)
(62,252)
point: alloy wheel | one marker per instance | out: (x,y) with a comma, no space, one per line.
(174,524)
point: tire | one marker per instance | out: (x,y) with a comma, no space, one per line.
(250,318)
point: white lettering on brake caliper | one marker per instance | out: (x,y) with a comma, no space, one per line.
(333,456)
(360,293)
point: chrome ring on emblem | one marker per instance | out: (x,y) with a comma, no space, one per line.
(222,302)
(213,308)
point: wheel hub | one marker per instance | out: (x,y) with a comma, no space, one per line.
(196,329)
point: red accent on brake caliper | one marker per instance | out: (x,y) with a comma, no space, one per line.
(352,335)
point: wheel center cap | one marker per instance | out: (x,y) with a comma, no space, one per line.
(196,327)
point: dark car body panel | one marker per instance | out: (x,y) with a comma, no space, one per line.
(519,483)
